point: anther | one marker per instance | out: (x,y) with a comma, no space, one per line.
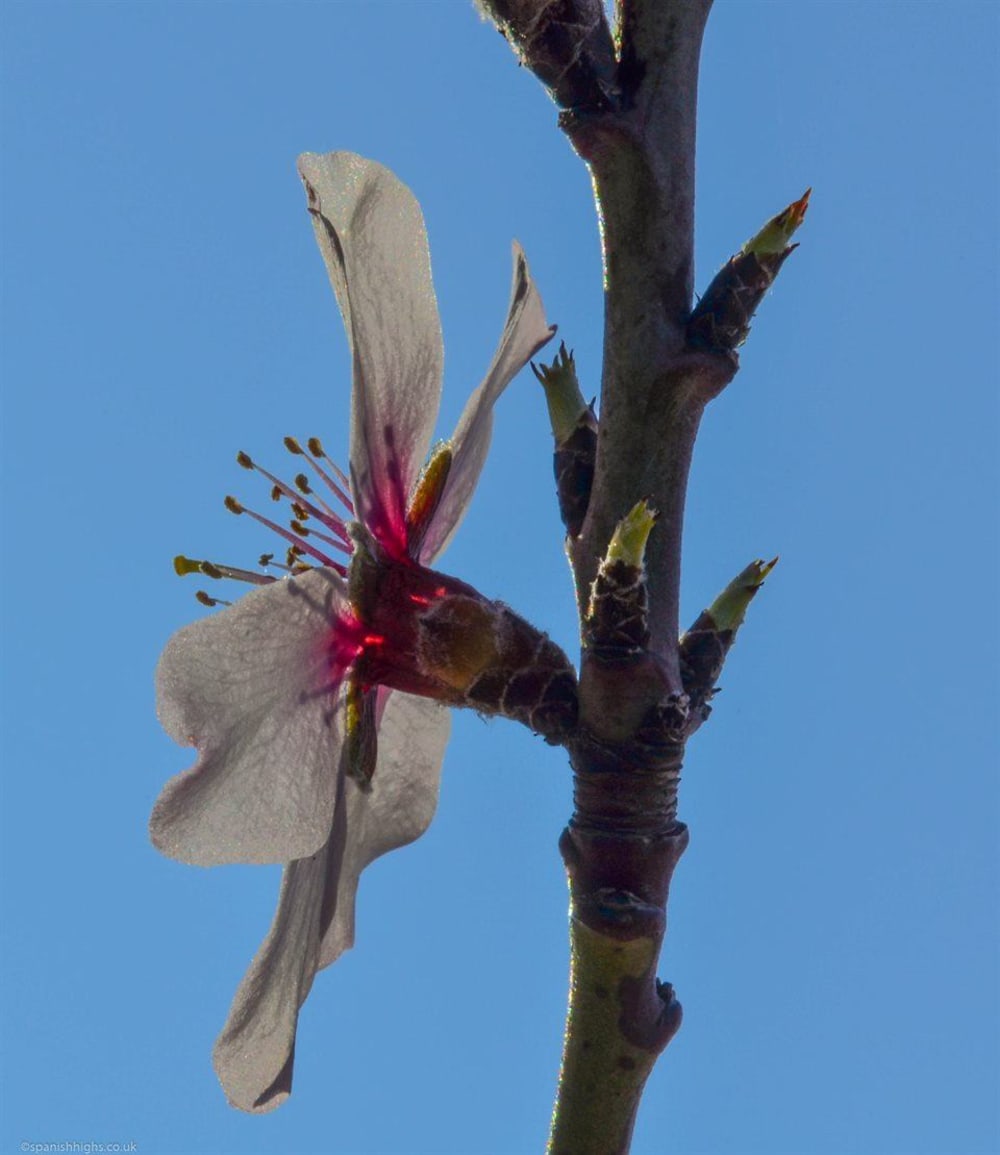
(265,559)
(292,445)
(300,511)
(207,601)
(185,565)
(244,459)
(233,505)
(316,447)
(302,483)
(299,528)
(276,493)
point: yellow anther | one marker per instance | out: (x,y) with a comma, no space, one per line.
(316,447)
(185,565)
(300,511)
(292,445)
(428,491)
(299,528)
(302,484)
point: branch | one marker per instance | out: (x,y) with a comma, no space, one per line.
(566,43)
(631,117)
(653,392)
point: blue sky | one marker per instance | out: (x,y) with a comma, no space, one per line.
(833,932)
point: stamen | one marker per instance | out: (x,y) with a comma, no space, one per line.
(303,510)
(287,535)
(186,565)
(329,518)
(316,450)
(305,531)
(205,600)
(295,566)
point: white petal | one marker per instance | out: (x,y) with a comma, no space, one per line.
(411,741)
(253,1055)
(314,923)
(525,332)
(253,687)
(372,237)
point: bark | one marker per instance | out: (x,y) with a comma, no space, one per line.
(633,122)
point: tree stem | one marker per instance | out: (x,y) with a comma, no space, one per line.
(629,108)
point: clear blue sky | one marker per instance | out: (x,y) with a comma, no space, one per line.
(833,930)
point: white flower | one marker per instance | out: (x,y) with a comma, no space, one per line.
(277,692)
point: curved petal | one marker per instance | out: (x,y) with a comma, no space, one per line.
(254,688)
(371,234)
(412,737)
(525,332)
(255,1052)
(314,923)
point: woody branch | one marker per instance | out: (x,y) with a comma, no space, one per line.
(629,110)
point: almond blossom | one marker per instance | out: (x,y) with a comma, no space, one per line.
(283,693)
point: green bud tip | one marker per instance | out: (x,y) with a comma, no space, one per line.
(562,393)
(628,542)
(292,445)
(776,234)
(730,607)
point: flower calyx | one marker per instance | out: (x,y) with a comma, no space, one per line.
(430,634)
